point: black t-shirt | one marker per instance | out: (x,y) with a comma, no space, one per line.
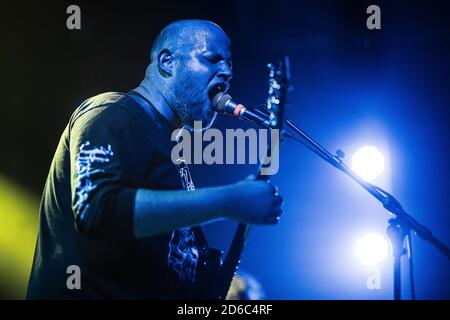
(111,147)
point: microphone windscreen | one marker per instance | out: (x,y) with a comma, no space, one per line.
(219,101)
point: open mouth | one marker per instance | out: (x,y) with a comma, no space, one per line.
(215,89)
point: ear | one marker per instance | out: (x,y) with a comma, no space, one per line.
(166,62)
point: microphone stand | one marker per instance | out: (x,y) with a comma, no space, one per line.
(399,227)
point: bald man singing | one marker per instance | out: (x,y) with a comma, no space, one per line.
(116,218)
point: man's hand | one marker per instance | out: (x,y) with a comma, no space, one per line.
(254,201)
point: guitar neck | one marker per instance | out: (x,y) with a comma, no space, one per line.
(278,84)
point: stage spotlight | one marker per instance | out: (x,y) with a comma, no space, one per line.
(368,163)
(371,249)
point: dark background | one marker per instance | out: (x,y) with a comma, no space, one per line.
(352,87)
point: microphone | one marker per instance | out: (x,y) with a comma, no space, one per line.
(223,103)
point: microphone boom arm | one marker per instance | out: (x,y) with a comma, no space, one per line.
(387,200)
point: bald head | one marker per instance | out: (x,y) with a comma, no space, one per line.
(183,35)
(190,62)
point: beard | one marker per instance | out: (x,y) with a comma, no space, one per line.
(191,102)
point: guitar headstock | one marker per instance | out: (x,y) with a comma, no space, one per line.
(279,76)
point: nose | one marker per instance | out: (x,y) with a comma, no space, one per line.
(225,71)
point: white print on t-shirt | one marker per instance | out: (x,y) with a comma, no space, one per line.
(183,253)
(84,170)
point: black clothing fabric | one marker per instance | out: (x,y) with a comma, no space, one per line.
(108,150)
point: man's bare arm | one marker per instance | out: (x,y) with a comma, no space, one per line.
(249,201)
(158,212)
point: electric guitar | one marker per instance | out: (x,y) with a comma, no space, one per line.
(213,277)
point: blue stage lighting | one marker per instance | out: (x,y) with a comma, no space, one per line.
(372,249)
(368,163)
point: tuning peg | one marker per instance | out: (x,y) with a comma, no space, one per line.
(274,100)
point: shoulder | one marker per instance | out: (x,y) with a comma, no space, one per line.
(102,104)
(110,107)
(113,114)
(105,98)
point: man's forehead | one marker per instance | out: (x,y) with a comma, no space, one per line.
(209,38)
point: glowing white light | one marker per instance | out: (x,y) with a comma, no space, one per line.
(371,249)
(368,163)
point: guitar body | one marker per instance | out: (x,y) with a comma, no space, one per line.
(208,269)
